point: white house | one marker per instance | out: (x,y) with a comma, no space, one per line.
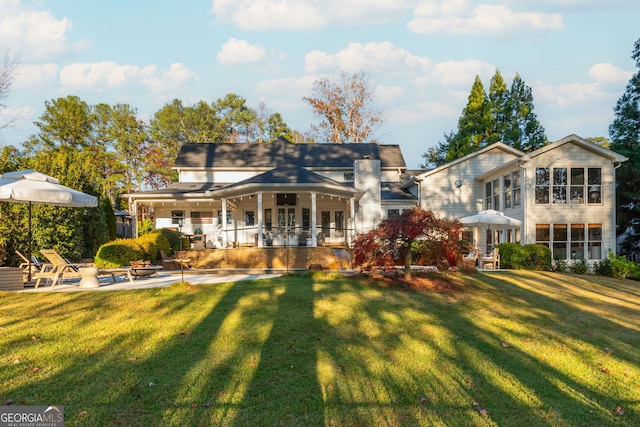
(564,194)
(281,193)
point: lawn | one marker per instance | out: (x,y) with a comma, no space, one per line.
(492,349)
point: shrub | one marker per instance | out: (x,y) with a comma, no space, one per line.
(117,253)
(152,243)
(145,226)
(623,268)
(512,255)
(538,257)
(173,237)
(603,268)
(579,266)
(559,264)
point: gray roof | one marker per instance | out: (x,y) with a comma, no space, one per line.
(281,152)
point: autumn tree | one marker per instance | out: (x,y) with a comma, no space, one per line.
(392,240)
(345,109)
(625,139)
(7,72)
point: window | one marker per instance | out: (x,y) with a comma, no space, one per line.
(559,186)
(339,215)
(517,199)
(306,218)
(507,195)
(569,186)
(542,185)
(594,236)
(286,199)
(249,218)
(569,241)
(281,217)
(559,241)
(347,176)
(577,241)
(492,195)
(201,217)
(177,216)
(577,186)
(229,217)
(594,178)
(392,212)
(268,220)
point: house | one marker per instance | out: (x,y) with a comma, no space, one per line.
(563,193)
(278,193)
(284,194)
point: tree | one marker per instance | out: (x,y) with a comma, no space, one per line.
(625,139)
(7,71)
(504,115)
(395,236)
(237,120)
(345,110)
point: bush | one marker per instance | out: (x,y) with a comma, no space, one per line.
(117,253)
(538,257)
(145,226)
(623,268)
(579,266)
(603,268)
(152,243)
(560,265)
(173,237)
(512,255)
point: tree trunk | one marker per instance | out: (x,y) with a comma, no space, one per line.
(407,264)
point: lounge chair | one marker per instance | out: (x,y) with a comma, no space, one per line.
(491,260)
(60,268)
(169,263)
(36,264)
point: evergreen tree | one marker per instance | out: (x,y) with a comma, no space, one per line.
(504,115)
(523,130)
(474,126)
(625,139)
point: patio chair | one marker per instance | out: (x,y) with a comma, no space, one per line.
(491,260)
(167,262)
(469,260)
(36,264)
(57,269)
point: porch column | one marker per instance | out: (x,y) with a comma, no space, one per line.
(133,210)
(352,205)
(260,242)
(314,222)
(224,222)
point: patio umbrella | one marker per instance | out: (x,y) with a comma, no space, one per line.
(490,217)
(28,186)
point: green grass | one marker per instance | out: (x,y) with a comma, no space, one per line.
(318,350)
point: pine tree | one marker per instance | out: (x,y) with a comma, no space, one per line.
(625,139)
(499,100)
(523,131)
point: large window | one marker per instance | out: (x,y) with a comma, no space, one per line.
(177,216)
(511,196)
(492,195)
(573,186)
(568,241)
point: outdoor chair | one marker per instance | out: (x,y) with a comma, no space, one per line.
(57,269)
(491,260)
(36,264)
(469,260)
(167,262)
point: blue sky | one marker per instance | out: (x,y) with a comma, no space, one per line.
(421,57)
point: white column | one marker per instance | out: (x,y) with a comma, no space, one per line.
(260,242)
(352,205)
(314,222)
(224,222)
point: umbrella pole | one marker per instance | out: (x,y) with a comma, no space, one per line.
(29,244)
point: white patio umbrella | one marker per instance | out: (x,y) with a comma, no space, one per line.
(28,186)
(490,217)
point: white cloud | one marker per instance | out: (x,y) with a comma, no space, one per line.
(235,52)
(388,94)
(456,73)
(100,74)
(371,57)
(464,17)
(568,94)
(35,76)
(609,73)
(176,76)
(32,34)
(306,14)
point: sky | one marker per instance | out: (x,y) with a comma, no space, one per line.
(420,57)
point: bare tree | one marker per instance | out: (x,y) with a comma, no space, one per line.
(346,109)
(7,70)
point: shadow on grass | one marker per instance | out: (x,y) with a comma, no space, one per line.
(326,350)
